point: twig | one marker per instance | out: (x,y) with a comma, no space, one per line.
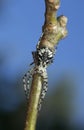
(33,102)
(54,29)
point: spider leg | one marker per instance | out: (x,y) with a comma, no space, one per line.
(26,82)
(43,91)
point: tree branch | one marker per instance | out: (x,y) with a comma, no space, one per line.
(54,29)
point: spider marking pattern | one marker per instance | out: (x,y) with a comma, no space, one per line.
(42,58)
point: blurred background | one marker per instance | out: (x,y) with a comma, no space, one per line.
(20,28)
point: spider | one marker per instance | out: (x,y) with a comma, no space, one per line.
(42,58)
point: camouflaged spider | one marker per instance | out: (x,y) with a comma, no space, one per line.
(42,58)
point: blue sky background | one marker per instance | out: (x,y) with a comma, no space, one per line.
(20,29)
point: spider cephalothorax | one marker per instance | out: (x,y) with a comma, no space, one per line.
(44,56)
